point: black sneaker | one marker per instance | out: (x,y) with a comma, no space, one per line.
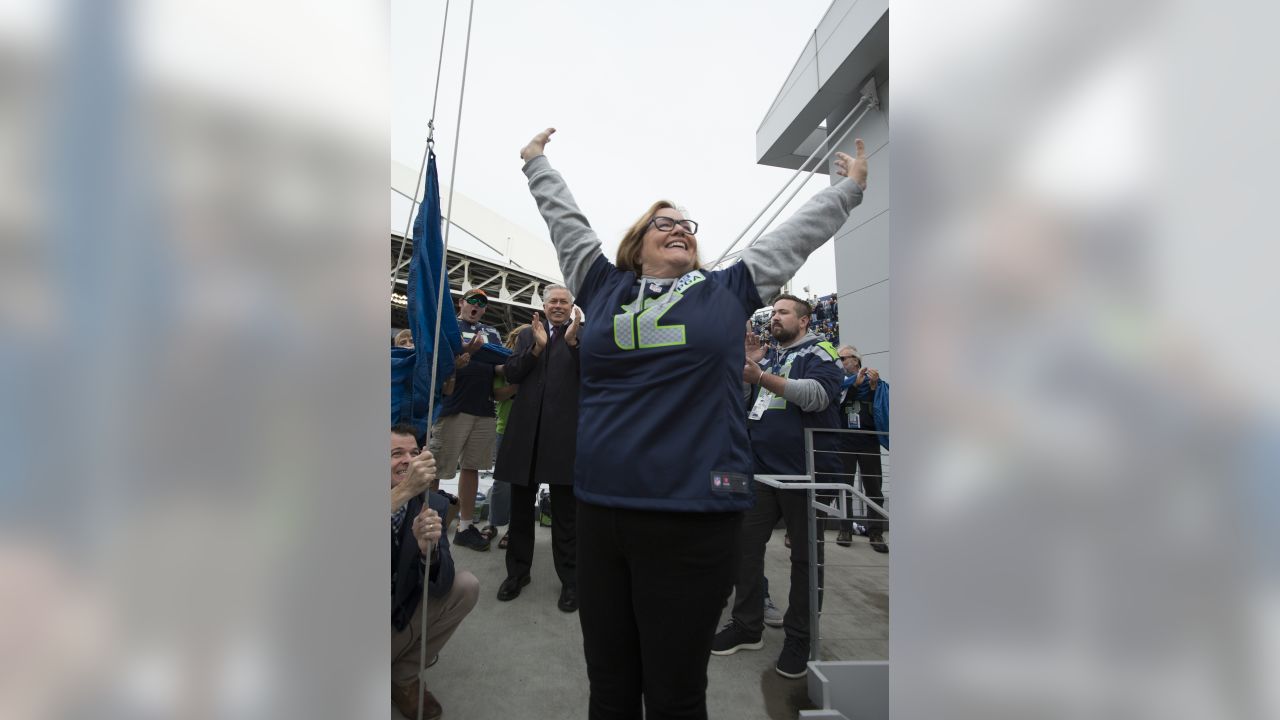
(794,660)
(471,538)
(734,637)
(877,542)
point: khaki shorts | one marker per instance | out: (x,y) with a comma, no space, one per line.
(465,438)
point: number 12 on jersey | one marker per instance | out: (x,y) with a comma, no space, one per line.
(638,331)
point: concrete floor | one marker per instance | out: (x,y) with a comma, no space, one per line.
(522,660)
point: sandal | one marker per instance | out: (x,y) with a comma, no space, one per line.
(489,532)
(502,544)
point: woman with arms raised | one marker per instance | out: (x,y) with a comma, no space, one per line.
(663,468)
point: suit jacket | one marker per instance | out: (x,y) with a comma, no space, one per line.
(542,430)
(409,568)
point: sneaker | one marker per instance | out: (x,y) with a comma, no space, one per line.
(772,615)
(794,660)
(471,538)
(734,637)
(877,542)
(844,538)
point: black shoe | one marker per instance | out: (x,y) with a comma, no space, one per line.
(568,599)
(734,637)
(877,543)
(471,538)
(794,660)
(844,538)
(510,588)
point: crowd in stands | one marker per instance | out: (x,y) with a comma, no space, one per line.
(826,320)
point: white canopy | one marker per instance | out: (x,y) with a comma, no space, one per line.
(502,239)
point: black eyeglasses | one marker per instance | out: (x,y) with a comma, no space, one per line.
(478,300)
(666,224)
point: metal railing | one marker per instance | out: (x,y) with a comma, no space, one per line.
(838,507)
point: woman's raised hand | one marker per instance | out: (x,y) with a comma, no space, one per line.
(855,167)
(536,145)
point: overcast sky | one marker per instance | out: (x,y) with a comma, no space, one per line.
(651,100)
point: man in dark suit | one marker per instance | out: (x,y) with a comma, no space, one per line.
(416,536)
(540,442)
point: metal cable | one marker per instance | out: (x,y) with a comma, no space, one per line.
(435,352)
(431,141)
(789,181)
(804,182)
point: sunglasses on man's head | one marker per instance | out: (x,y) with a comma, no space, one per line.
(478,300)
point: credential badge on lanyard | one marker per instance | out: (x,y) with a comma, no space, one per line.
(765,398)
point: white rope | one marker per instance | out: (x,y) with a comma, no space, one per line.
(865,99)
(431,141)
(435,342)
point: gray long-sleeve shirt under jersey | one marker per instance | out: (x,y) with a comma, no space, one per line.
(772,260)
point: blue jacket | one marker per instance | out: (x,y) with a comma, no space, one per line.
(879,403)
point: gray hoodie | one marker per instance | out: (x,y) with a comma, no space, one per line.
(772,260)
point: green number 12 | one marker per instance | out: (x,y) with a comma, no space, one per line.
(637,331)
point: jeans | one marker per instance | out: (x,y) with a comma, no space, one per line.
(499,497)
(757,528)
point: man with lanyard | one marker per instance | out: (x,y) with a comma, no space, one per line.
(863,392)
(467,428)
(798,387)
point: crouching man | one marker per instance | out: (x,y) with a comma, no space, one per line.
(416,535)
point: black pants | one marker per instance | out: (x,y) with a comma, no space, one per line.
(651,587)
(564,536)
(757,528)
(866,454)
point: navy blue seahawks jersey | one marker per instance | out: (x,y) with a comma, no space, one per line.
(660,407)
(473,384)
(777,438)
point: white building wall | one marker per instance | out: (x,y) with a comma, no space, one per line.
(862,245)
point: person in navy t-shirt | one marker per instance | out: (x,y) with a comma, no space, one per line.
(467,429)
(663,464)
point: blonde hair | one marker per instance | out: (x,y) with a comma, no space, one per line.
(510,342)
(632,244)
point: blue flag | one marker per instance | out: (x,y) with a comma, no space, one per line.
(411,382)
